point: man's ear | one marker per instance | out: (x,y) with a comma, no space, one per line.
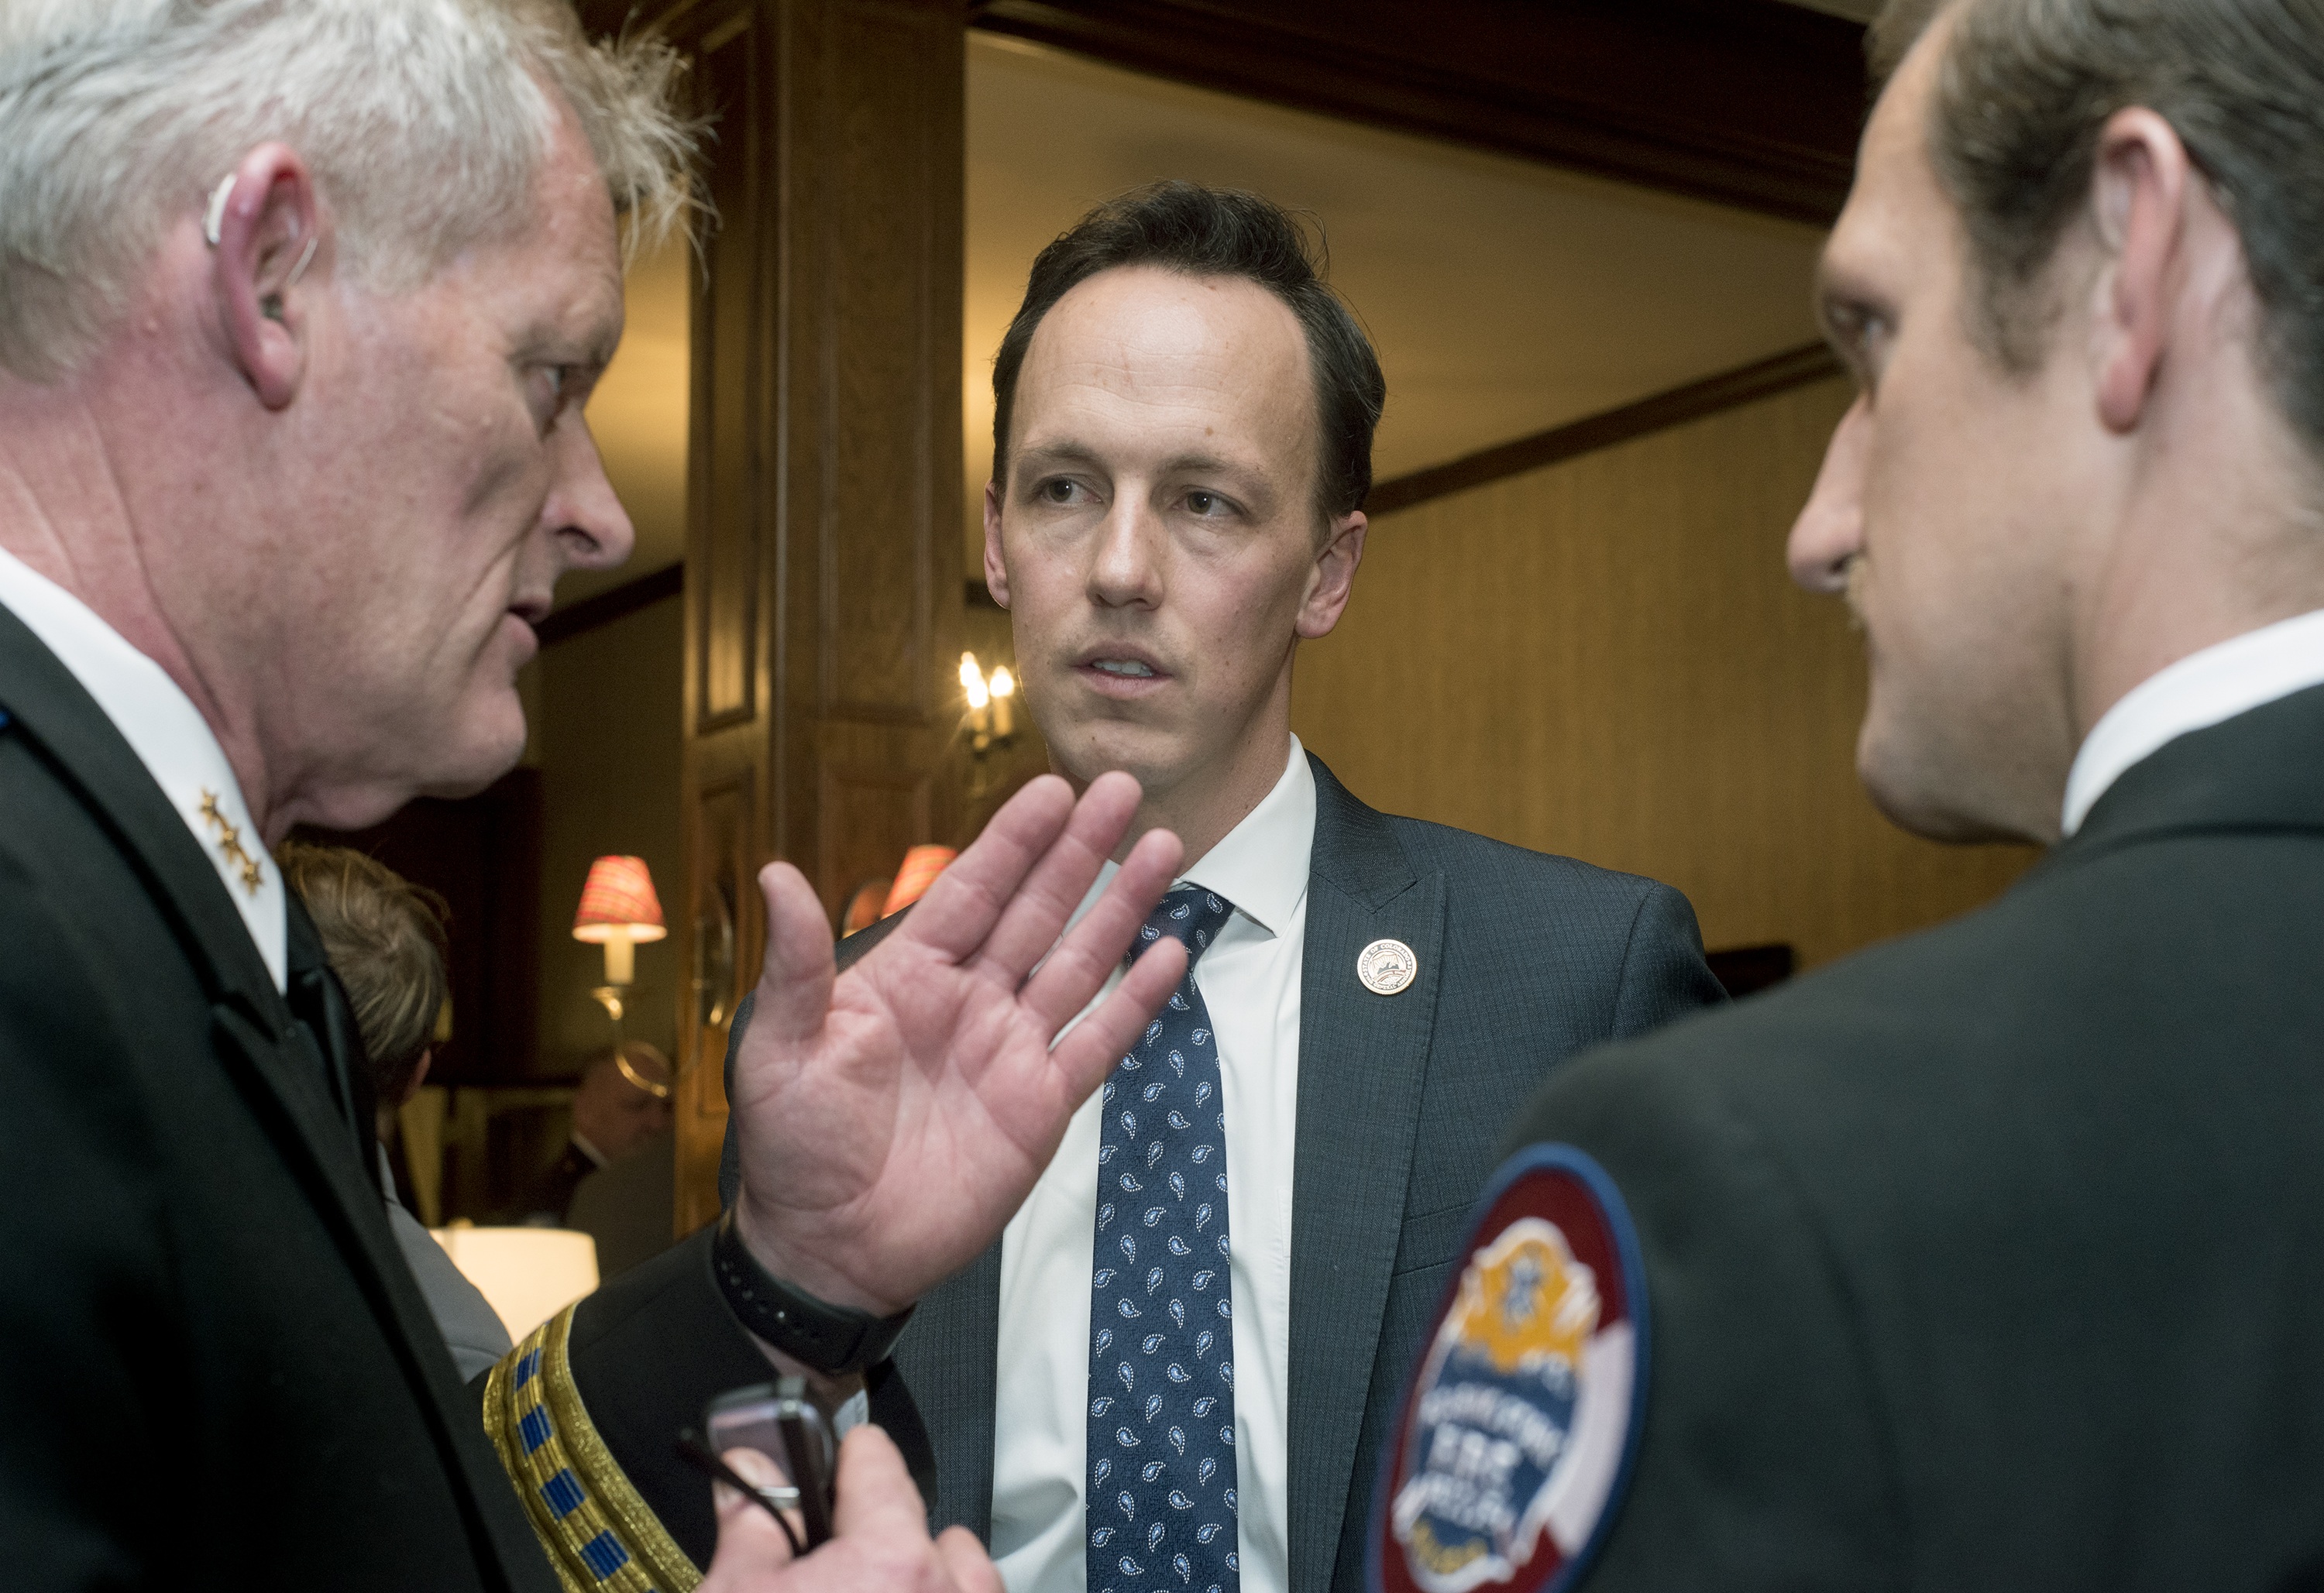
(1333,577)
(2142,190)
(996,572)
(266,236)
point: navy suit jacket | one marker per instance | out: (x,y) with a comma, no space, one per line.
(1987,1257)
(1524,959)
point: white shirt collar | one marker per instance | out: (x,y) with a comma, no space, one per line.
(1261,864)
(170,739)
(2200,690)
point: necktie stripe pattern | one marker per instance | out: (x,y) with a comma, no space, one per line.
(1161,1495)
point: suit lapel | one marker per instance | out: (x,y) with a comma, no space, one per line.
(1362,1060)
(272,1057)
(52,707)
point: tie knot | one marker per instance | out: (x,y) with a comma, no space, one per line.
(1191,915)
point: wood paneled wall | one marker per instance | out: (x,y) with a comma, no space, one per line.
(823,591)
(608,770)
(1605,657)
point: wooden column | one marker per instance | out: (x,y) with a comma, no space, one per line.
(822,588)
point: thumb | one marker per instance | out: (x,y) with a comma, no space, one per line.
(876,1491)
(794,984)
(751,1547)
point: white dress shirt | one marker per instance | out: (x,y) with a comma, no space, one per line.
(169,735)
(2200,690)
(1250,983)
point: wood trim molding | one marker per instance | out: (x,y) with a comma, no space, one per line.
(1748,102)
(607,607)
(1762,379)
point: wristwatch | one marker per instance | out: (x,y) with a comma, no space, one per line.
(833,1340)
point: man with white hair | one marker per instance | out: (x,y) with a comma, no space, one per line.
(300,303)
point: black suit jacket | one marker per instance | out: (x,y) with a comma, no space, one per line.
(219,1369)
(1994,1257)
(214,1368)
(550,1193)
(1524,958)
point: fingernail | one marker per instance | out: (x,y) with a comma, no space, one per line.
(756,1469)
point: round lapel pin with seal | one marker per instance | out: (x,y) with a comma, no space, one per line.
(1519,1430)
(1386,967)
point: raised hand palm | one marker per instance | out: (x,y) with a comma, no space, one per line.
(890,1120)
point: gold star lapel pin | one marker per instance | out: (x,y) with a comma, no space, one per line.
(230,843)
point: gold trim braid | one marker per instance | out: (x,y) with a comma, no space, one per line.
(598,1533)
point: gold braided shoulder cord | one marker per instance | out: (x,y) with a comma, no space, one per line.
(598,1531)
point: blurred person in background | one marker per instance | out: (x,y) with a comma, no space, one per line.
(616,1110)
(384,937)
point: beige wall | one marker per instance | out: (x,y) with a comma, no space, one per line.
(606,742)
(1605,657)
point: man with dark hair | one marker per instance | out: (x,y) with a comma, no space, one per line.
(1183,444)
(384,938)
(1983,1259)
(1197,231)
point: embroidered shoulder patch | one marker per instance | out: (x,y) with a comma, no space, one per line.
(1517,1436)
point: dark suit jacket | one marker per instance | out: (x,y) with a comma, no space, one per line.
(1524,958)
(218,1371)
(1994,1257)
(550,1193)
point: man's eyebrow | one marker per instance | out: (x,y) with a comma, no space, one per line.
(588,338)
(1062,452)
(1066,451)
(1202,464)
(593,350)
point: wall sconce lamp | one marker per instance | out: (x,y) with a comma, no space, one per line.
(619,910)
(991,705)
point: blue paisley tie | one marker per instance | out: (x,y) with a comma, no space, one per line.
(1161,1379)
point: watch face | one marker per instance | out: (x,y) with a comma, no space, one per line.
(1518,1434)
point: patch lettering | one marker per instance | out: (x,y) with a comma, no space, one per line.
(1517,1433)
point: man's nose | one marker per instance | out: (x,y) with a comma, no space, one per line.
(586,521)
(1830,530)
(1127,567)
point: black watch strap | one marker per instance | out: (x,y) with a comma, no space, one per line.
(835,1339)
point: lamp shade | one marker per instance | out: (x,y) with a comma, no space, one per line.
(922,864)
(617,902)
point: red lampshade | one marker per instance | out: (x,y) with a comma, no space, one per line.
(619,901)
(922,864)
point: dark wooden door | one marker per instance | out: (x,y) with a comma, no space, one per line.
(823,589)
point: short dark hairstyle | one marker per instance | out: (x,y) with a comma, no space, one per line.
(384,938)
(2025,88)
(1208,232)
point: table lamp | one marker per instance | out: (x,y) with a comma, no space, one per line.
(922,864)
(619,910)
(526,1275)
